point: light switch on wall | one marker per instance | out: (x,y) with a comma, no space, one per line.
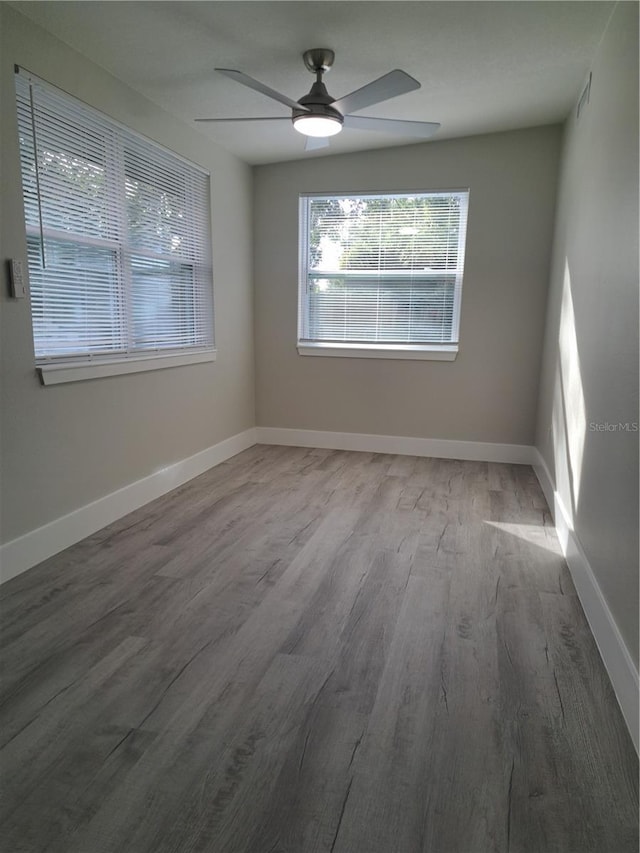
(17,282)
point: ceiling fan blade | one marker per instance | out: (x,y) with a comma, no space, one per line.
(255,118)
(313,143)
(240,77)
(420,129)
(389,86)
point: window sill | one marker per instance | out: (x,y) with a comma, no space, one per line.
(433,352)
(55,374)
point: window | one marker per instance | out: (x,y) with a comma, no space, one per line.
(381,275)
(118,236)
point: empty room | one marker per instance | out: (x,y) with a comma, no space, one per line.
(319,427)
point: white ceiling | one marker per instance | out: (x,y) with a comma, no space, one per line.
(484,66)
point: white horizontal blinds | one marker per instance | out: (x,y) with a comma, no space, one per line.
(118,234)
(382,269)
(168,240)
(76,300)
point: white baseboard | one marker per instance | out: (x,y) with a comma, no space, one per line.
(613,650)
(26,551)
(438,447)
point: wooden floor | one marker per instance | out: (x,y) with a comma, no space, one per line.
(306,651)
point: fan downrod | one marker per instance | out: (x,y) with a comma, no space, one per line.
(318,59)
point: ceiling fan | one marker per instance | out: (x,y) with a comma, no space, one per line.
(319,116)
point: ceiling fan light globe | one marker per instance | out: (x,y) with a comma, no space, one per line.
(321,126)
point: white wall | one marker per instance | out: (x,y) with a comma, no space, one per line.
(590,365)
(64,446)
(489,393)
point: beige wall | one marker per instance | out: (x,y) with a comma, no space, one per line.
(489,393)
(64,446)
(590,365)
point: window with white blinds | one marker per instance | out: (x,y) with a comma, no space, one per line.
(118,234)
(381,270)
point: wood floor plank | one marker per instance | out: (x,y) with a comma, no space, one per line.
(306,798)
(211,804)
(610,813)
(31,758)
(384,802)
(313,651)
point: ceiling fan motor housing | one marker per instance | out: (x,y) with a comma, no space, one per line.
(318,103)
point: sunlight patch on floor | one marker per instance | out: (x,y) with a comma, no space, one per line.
(535,534)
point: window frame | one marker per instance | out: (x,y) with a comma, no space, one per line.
(432,351)
(133,357)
